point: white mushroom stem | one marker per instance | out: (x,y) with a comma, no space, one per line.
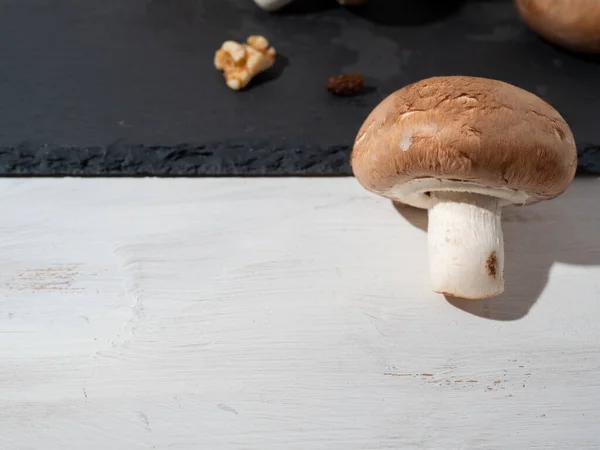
(466,248)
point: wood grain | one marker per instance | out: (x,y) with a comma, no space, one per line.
(285,314)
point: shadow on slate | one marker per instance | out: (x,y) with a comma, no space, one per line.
(128,87)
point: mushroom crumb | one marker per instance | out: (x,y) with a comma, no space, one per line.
(491,264)
(242,62)
(346,85)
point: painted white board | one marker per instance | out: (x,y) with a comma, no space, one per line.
(285,314)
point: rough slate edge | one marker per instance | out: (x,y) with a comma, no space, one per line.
(220,159)
(215,159)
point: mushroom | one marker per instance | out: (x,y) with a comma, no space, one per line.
(274,5)
(463,148)
(573,24)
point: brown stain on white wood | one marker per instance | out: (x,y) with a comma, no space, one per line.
(444,380)
(55,278)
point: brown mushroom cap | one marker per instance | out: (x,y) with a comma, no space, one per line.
(573,24)
(475,131)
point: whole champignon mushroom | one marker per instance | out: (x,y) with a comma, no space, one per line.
(573,24)
(464,147)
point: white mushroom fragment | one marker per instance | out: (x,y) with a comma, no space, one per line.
(463,148)
(573,24)
(274,5)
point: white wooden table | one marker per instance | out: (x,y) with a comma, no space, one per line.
(285,314)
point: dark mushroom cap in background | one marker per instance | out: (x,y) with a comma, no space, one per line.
(573,24)
(466,129)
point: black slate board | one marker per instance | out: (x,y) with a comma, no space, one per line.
(128,87)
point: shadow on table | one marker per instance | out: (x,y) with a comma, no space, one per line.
(564,230)
(407,12)
(274,72)
(383,12)
(588,58)
(307,7)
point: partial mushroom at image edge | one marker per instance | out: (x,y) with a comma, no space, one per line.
(572,24)
(463,148)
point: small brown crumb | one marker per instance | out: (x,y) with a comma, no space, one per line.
(497,382)
(427,374)
(346,85)
(491,264)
